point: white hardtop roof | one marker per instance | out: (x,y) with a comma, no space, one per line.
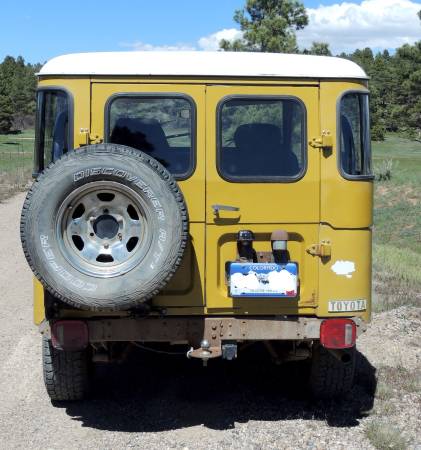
(203,64)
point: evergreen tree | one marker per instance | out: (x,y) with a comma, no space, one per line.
(268,26)
(6,105)
(408,91)
(17,92)
(319,48)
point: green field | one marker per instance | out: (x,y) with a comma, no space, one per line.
(397,224)
(16,162)
(16,151)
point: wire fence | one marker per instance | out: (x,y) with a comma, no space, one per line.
(16,162)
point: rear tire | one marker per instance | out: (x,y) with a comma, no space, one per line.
(66,374)
(331,378)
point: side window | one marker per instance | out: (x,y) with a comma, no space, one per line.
(52,132)
(261,139)
(163,127)
(355,146)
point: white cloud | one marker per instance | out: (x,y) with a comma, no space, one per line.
(346,26)
(377,24)
(211,42)
(142,46)
(206,43)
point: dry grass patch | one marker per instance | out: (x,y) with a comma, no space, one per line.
(385,436)
(13,182)
(391,380)
(396,277)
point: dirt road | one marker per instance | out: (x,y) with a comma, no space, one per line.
(169,402)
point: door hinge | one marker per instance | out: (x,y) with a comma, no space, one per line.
(324,249)
(86,138)
(323,141)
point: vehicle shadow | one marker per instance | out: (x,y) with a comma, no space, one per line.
(153,393)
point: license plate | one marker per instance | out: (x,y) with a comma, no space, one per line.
(263,279)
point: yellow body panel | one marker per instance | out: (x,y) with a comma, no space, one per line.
(344,203)
(270,203)
(320,206)
(353,246)
(221,246)
(39,310)
(187,287)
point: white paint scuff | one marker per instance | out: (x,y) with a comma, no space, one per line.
(345,268)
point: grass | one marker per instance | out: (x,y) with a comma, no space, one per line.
(397,224)
(393,380)
(16,162)
(383,435)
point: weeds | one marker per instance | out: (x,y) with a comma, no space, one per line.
(383,171)
(385,436)
(393,379)
(401,377)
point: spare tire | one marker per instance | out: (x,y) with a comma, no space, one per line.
(104,227)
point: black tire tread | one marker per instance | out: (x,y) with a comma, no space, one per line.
(170,269)
(329,377)
(65,373)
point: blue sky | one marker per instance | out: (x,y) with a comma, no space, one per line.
(41,30)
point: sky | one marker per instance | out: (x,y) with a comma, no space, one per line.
(41,30)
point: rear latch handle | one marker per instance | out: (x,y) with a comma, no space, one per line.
(217,208)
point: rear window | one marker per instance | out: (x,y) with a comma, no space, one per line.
(53,127)
(261,139)
(355,144)
(162,127)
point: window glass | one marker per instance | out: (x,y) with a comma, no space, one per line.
(261,139)
(355,135)
(161,127)
(52,126)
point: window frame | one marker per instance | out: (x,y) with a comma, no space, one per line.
(347,176)
(261,179)
(38,154)
(159,95)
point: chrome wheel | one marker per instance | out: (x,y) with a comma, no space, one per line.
(101,229)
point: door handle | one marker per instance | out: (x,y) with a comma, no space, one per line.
(217,208)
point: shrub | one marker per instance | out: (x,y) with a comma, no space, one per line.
(383,171)
(378,133)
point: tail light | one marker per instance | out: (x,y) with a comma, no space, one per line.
(338,333)
(69,335)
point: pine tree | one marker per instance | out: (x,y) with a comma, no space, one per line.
(268,26)
(6,104)
(319,48)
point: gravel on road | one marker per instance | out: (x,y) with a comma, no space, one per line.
(156,402)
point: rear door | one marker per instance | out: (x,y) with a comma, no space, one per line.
(261,175)
(167,121)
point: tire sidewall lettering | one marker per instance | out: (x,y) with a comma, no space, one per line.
(60,270)
(149,193)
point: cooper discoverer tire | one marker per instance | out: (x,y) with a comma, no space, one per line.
(104,227)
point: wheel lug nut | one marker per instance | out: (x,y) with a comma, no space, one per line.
(106,245)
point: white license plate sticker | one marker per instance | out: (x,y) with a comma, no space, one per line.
(347,305)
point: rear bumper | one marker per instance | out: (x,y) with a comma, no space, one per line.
(192,330)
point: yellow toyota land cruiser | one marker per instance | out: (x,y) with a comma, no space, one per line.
(202,199)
